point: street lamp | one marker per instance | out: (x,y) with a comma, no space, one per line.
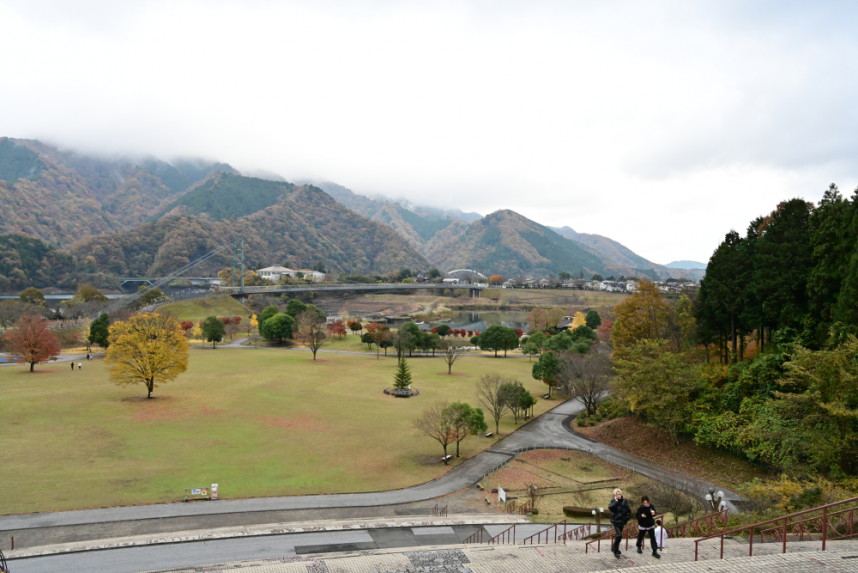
(714,499)
(598,515)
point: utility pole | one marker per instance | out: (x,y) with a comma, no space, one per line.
(242,265)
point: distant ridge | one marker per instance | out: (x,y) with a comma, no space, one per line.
(687,265)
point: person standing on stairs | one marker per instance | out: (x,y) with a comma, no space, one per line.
(646,525)
(620,515)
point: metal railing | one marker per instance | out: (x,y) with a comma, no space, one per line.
(842,523)
(702,526)
(504,537)
(439,511)
(579,533)
(4,568)
(524,508)
(547,532)
(628,531)
(476,537)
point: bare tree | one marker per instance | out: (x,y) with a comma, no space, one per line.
(437,425)
(681,497)
(492,398)
(401,340)
(311,330)
(585,376)
(449,353)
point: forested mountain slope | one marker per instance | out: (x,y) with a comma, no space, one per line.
(504,242)
(61,197)
(303,227)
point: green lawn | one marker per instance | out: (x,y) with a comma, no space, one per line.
(195,310)
(258,422)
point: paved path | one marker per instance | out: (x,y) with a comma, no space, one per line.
(62,358)
(550,430)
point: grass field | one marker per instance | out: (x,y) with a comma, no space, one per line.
(195,310)
(259,422)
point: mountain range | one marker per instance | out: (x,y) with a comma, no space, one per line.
(106,217)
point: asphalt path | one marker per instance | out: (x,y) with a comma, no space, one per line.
(550,430)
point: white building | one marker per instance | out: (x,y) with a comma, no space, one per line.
(275,273)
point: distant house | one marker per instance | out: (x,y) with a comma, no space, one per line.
(276,273)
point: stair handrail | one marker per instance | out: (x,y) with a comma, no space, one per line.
(784,523)
(609,534)
(473,537)
(524,508)
(538,534)
(503,537)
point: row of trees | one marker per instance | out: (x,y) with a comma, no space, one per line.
(793,276)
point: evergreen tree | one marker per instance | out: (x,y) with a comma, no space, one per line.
(833,241)
(402,378)
(98,331)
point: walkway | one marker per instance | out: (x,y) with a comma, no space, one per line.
(550,430)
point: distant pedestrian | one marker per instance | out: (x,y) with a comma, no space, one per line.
(646,525)
(660,534)
(79,365)
(621,513)
(72,365)
(87,356)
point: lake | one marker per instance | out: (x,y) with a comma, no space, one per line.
(482,320)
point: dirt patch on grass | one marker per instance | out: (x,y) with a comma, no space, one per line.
(303,423)
(633,435)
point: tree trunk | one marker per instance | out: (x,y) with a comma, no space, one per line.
(762,338)
(457,448)
(497,426)
(445,454)
(496,352)
(149,385)
(733,335)
(449,369)
(742,347)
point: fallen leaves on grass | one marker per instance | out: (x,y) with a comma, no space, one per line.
(517,478)
(155,412)
(633,435)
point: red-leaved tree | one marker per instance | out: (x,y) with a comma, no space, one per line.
(187,325)
(31,342)
(337,328)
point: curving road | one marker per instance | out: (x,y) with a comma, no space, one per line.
(550,430)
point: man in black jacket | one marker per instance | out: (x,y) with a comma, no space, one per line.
(646,524)
(620,515)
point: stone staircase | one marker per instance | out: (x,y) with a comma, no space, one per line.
(840,557)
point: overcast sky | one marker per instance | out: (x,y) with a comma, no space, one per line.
(658,124)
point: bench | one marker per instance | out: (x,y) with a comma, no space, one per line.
(447,458)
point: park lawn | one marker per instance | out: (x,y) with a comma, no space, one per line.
(259,422)
(195,310)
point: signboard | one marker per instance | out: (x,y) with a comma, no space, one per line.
(196,491)
(501,494)
(214,491)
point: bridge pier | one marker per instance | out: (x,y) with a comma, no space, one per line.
(475,293)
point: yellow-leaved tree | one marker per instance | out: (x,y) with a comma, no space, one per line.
(642,316)
(148,349)
(578,319)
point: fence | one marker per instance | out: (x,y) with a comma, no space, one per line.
(820,522)
(439,511)
(547,532)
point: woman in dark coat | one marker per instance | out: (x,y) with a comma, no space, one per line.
(620,515)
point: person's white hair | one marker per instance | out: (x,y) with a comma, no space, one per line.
(618,491)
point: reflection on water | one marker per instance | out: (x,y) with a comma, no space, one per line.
(482,320)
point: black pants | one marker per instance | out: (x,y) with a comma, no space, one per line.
(642,533)
(618,537)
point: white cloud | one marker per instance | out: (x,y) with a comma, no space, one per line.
(659,124)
